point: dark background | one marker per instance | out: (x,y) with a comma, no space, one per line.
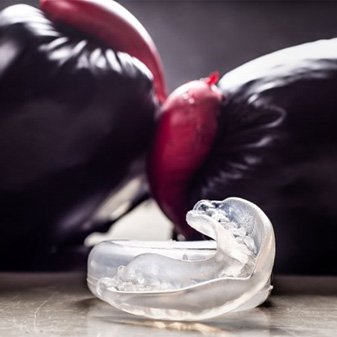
(195,38)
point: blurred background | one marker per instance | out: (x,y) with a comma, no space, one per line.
(195,38)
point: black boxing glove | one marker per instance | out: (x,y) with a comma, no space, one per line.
(266,132)
(76,118)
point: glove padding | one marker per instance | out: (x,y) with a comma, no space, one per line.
(276,145)
(76,118)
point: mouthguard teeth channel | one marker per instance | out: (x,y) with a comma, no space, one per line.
(213,210)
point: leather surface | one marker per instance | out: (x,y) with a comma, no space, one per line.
(75,120)
(277,147)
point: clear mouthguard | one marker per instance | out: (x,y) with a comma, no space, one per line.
(190,280)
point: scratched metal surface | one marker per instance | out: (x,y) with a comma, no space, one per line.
(60,305)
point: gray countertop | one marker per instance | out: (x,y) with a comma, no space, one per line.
(61,305)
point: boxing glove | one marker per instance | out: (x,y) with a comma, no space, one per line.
(265,132)
(77,113)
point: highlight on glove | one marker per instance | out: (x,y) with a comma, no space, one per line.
(77,116)
(265,133)
(191,280)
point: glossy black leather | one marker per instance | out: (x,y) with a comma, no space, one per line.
(75,121)
(277,147)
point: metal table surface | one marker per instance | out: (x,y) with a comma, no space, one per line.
(60,304)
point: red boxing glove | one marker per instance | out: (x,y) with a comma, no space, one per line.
(185,136)
(275,144)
